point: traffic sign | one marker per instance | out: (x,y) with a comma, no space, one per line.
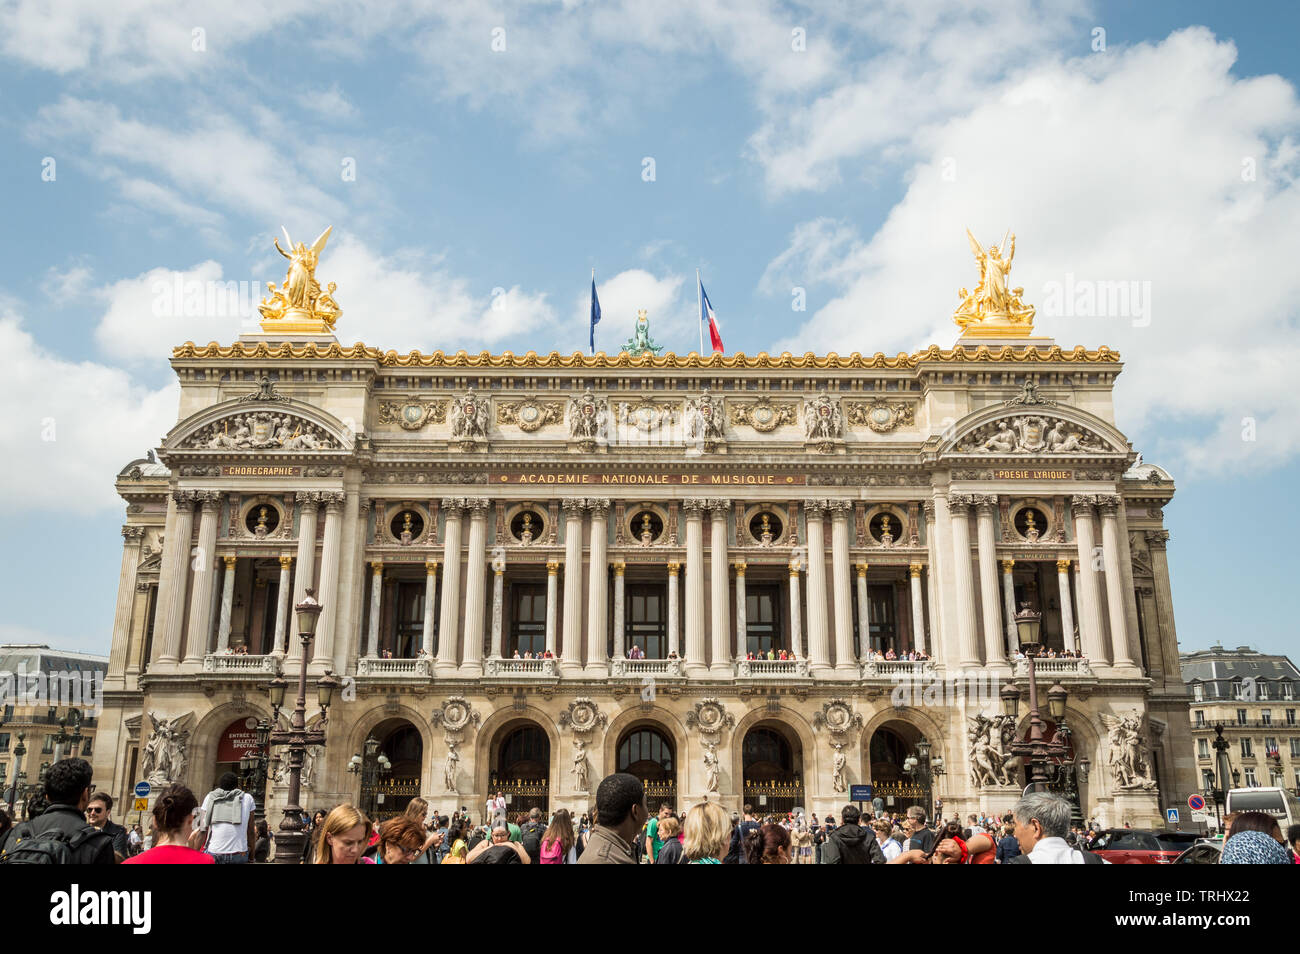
(1196,803)
(141,805)
(1171,816)
(142,789)
(859,793)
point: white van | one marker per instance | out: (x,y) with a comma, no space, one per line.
(1278,802)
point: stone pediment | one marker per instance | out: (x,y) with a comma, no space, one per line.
(263,427)
(1035,431)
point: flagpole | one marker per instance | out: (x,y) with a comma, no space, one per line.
(699,297)
(593,327)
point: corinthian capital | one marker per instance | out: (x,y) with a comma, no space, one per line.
(960,504)
(1083,503)
(814,509)
(1157,539)
(1108,504)
(333,499)
(694,507)
(839,508)
(927,507)
(573,506)
(184,499)
(452,505)
(208,500)
(132,533)
(478,506)
(599,506)
(986,504)
(720,507)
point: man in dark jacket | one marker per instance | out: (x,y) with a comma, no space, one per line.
(852,843)
(67,787)
(620,813)
(99,813)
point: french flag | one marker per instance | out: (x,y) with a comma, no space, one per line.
(707,315)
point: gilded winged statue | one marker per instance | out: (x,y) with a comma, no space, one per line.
(993,297)
(301,297)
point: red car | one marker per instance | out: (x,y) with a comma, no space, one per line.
(1134,846)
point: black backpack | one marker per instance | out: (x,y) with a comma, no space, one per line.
(51,847)
(498,855)
(530,836)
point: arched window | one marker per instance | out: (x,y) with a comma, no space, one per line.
(646,753)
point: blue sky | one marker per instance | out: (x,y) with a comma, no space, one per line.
(846,163)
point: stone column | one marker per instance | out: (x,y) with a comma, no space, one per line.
(199,636)
(449,610)
(1115,593)
(552,591)
(306,577)
(845,662)
(720,663)
(986,507)
(173,578)
(282,603)
(351,581)
(796,614)
(1012,636)
(931,579)
(227,604)
(918,607)
(1164,628)
(1067,609)
(1089,592)
(475,588)
(619,567)
(430,592)
(742,618)
(498,597)
(376,607)
(132,538)
(674,610)
(864,615)
(329,595)
(571,652)
(598,589)
(967,646)
(818,637)
(694,660)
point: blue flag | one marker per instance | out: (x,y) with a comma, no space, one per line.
(595,312)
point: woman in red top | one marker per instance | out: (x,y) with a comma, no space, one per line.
(173,823)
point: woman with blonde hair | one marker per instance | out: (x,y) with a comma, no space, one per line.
(417,809)
(342,836)
(708,833)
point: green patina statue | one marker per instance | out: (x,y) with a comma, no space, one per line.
(641,343)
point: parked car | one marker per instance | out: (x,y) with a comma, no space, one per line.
(1135,846)
(1205,851)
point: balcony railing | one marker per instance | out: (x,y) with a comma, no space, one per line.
(228,663)
(1055,667)
(522,668)
(772,669)
(894,668)
(419,667)
(646,667)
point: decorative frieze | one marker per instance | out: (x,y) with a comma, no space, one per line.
(412,415)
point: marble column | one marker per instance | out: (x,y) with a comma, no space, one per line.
(329,595)
(819,647)
(845,662)
(918,608)
(351,581)
(864,615)
(598,589)
(376,607)
(720,662)
(1067,608)
(174,578)
(986,508)
(199,636)
(430,594)
(227,604)
(1116,604)
(449,609)
(282,603)
(741,610)
(932,577)
(475,588)
(132,538)
(796,612)
(571,650)
(619,651)
(674,610)
(552,595)
(1090,621)
(498,596)
(305,578)
(967,645)
(694,660)
(1012,635)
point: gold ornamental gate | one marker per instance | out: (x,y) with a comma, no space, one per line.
(774,798)
(522,794)
(389,797)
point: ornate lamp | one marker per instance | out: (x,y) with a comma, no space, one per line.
(1028,624)
(308,613)
(1010,695)
(1056,698)
(325,690)
(276,691)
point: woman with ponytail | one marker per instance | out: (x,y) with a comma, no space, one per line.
(768,845)
(173,823)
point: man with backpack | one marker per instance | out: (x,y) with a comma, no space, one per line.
(852,843)
(736,850)
(530,835)
(60,835)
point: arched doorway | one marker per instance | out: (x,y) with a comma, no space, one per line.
(521,767)
(647,752)
(889,747)
(237,741)
(771,757)
(387,790)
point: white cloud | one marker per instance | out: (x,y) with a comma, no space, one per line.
(621,297)
(1126,167)
(69,423)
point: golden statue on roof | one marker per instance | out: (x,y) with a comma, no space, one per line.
(299,305)
(994,309)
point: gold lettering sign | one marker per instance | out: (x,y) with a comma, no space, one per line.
(663,478)
(1033,475)
(259,470)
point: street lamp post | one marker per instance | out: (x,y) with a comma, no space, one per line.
(254,769)
(1035,750)
(925,771)
(20,777)
(290,837)
(371,768)
(1217,792)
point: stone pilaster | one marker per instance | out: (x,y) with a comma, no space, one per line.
(449,610)
(598,589)
(571,651)
(694,664)
(967,646)
(986,508)
(173,578)
(282,603)
(1011,635)
(619,649)
(1116,597)
(1067,608)
(846,665)
(796,612)
(198,637)
(376,607)
(741,609)
(674,609)
(918,608)
(552,609)
(818,637)
(475,588)
(227,603)
(305,578)
(430,594)
(1090,620)
(329,596)
(132,539)
(864,614)
(720,664)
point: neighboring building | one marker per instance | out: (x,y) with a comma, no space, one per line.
(1256,698)
(454,510)
(46,693)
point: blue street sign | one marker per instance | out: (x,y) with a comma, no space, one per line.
(859,793)
(1171,816)
(142,789)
